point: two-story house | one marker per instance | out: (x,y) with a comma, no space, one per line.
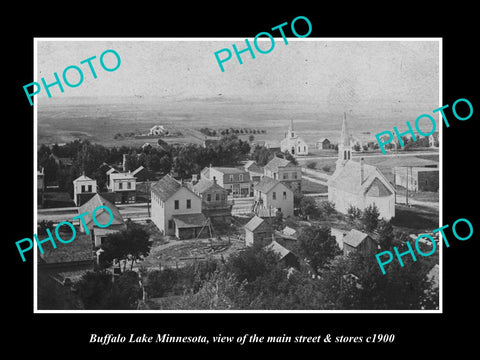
(272,195)
(286,172)
(84,189)
(176,210)
(215,204)
(235,180)
(124,185)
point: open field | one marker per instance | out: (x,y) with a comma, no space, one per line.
(63,121)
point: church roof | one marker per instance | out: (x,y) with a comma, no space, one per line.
(348,178)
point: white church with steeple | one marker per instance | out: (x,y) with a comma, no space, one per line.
(293,143)
(358,184)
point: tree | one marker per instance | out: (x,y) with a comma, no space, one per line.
(220,291)
(370,218)
(251,138)
(385,234)
(98,291)
(251,263)
(94,288)
(354,213)
(327,208)
(308,207)
(290,158)
(318,246)
(130,244)
(161,282)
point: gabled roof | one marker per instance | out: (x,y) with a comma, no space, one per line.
(82,178)
(354,238)
(348,178)
(278,249)
(122,176)
(323,139)
(252,166)
(111,171)
(80,249)
(166,187)
(96,201)
(204,184)
(277,162)
(254,223)
(289,231)
(137,170)
(189,220)
(229,170)
(266,184)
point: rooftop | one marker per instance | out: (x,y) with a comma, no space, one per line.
(204,184)
(82,178)
(354,238)
(122,176)
(348,178)
(277,162)
(80,249)
(254,223)
(166,187)
(96,201)
(189,220)
(266,184)
(277,249)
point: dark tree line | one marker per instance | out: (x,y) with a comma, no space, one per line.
(182,160)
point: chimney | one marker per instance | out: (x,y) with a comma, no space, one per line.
(362,177)
(124,162)
(194,178)
(214,179)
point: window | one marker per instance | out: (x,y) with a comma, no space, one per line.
(83,188)
(129,185)
(274,195)
(295,175)
(285,176)
(230,177)
(209,197)
(120,186)
(284,195)
(177,204)
(170,224)
(223,196)
(240,177)
(89,188)
(189,204)
(275,176)
(304,149)
(217,197)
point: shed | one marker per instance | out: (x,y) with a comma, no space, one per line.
(257,231)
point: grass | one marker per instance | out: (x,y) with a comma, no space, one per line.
(309,187)
(416,219)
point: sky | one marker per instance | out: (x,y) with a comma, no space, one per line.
(384,74)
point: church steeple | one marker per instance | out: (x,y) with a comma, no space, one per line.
(344,147)
(291,133)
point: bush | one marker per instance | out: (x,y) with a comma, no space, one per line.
(354,213)
(326,168)
(327,207)
(311,165)
(370,218)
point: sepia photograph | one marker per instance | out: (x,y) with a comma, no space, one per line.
(305,179)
